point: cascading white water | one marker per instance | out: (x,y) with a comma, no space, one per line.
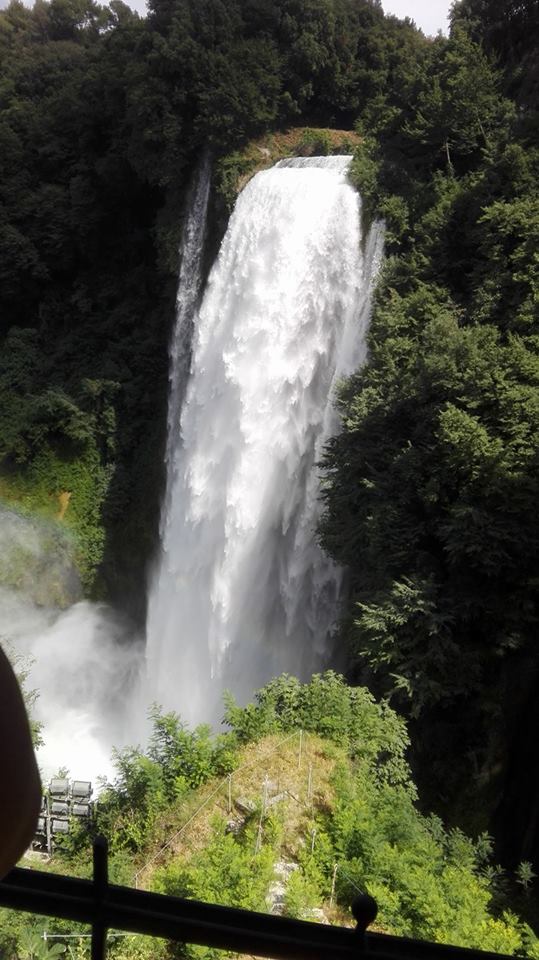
(82,661)
(242,591)
(189,283)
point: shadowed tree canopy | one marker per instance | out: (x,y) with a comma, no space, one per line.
(430,487)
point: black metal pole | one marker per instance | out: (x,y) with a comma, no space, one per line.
(101,880)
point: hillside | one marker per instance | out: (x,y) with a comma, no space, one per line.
(305,802)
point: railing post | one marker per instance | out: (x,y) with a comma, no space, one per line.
(364,910)
(101,879)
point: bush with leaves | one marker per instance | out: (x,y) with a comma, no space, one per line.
(329,707)
(177,761)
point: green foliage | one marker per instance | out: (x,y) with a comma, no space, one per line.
(229,169)
(303,893)
(227,871)
(177,762)
(508,32)
(427,883)
(31,946)
(430,488)
(87,481)
(314,143)
(330,708)
(364,172)
(525,875)
(447,113)
(24,937)
(52,446)
(187,758)
(363,829)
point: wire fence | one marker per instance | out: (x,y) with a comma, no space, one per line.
(225,783)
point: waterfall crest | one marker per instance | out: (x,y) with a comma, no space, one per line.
(242,591)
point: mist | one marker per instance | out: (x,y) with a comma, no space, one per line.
(84,661)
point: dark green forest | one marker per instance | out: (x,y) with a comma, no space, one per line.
(431,488)
(433,483)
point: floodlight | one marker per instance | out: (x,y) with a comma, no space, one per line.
(81,789)
(59,787)
(60,826)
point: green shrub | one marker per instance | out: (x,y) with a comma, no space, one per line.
(314,143)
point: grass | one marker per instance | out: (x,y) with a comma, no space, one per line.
(273,766)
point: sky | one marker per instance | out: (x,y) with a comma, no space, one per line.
(430,15)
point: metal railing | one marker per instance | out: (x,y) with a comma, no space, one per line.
(104,907)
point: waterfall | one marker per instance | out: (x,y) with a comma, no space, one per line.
(242,591)
(189,284)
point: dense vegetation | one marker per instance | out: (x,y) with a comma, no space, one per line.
(432,485)
(346,801)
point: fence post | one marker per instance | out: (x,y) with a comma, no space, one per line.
(100,879)
(300,748)
(230,793)
(258,843)
(332,895)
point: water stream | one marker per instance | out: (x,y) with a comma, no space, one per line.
(242,591)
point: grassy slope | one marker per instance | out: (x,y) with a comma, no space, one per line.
(299,787)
